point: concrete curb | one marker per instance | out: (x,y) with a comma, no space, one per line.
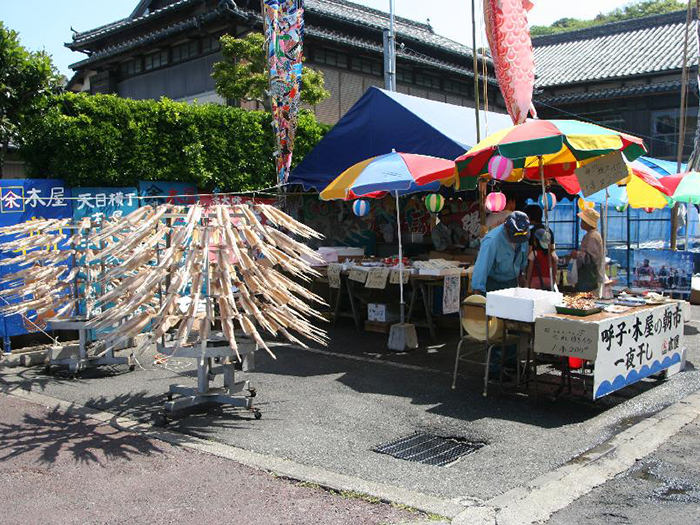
(531,503)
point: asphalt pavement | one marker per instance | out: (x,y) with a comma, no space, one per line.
(59,467)
(329,408)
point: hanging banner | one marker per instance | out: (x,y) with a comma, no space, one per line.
(23,200)
(172,192)
(98,203)
(284,32)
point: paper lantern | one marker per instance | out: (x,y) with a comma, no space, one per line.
(584,205)
(495,202)
(650,210)
(500,167)
(360,207)
(434,202)
(551,201)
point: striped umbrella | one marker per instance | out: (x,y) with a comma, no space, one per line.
(395,173)
(683,187)
(562,145)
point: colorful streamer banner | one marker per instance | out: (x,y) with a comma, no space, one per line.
(284,32)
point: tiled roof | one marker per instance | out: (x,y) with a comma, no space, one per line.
(94,34)
(622,49)
(407,31)
(618,92)
(366,16)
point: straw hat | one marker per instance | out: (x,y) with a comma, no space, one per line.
(474,319)
(590,217)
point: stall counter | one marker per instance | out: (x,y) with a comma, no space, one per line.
(624,347)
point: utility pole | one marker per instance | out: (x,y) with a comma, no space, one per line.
(390,52)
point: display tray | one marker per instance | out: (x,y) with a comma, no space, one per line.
(576,311)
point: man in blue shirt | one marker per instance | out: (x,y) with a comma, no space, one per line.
(503,255)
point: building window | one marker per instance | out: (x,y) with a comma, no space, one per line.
(460,88)
(404,75)
(155,60)
(131,67)
(665,125)
(211,43)
(366,65)
(428,81)
(330,58)
(185,51)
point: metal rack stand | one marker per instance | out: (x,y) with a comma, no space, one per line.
(237,394)
(77,362)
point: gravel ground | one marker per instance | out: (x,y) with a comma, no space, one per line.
(662,488)
(62,468)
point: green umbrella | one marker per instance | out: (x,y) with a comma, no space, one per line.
(683,187)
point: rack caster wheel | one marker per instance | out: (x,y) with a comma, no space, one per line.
(47,370)
(169,396)
(132,368)
(257,414)
(252,392)
(159,420)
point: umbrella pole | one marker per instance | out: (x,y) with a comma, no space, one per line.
(398,226)
(540,161)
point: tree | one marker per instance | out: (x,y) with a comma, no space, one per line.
(636,9)
(25,78)
(243,73)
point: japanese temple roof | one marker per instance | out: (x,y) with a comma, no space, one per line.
(407,31)
(629,48)
(673,86)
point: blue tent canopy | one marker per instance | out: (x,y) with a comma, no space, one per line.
(383,120)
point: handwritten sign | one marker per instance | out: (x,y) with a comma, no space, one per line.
(601,173)
(450,296)
(358,274)
(625,348)
(395,276)
(334,275)
(377,277)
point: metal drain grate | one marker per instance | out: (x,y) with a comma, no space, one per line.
(429,449)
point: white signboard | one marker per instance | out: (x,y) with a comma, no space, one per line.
(334,275)
(601,173)
(625,348)
(377,278)
(450,296)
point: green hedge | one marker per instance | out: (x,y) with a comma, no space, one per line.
(104,140)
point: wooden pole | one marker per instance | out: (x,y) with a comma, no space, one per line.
(481,186)
(681,131)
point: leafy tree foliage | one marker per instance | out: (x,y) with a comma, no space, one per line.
(636,9)
(242,75)
(104,140)
(25,78)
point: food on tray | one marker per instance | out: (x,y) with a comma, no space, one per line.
(616,309)
(579,301)
(655,298)
(436,264)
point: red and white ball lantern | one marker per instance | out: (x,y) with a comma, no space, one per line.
(495,202)
(500,167)
(548,200)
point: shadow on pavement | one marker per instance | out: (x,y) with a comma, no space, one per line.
(87,440)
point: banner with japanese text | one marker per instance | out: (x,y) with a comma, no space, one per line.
(182,193)
(23,200)
(99,203)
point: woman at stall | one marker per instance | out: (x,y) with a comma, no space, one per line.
(589,258)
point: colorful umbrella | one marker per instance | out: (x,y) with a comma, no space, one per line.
(401,173)
(683,187)
(563,145)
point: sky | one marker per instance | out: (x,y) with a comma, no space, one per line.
(46,24)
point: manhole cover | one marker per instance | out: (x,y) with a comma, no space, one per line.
(429,449)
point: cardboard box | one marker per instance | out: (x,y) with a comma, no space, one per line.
(521,304)
(382,313)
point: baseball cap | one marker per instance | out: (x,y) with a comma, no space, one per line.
(542,238)
(517,227)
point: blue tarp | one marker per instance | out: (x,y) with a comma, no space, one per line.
(383,120)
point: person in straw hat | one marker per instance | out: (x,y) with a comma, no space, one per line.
(590,255)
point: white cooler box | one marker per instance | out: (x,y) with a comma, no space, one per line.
(521,304)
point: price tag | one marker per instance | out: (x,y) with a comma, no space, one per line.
(334,275)
(394,277)
(376,278)
(358,274)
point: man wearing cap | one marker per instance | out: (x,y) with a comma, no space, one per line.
(589,257)
(503,255)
